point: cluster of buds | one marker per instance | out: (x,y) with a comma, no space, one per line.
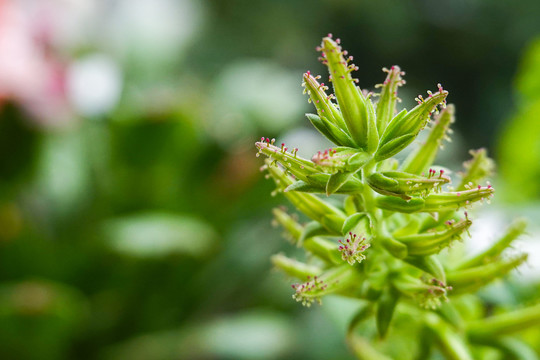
(406,214)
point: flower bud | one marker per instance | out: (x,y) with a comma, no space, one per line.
(325,108)
(428,293)
(309,204)
(472,279)
(477,169)
(295,268)
(334,280)
(397,183)
(504,324)
(292,227)
(455,200)
(358,112)
(433,242)
(422,158)
(493,252)
(296,165)
(404,127)
(386,106)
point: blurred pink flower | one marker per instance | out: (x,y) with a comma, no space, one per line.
(32,74)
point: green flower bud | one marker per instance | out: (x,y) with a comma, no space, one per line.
(396,183)
(456,200)
(504,324)
(312,206)
(493,252)
(386,106)
(433,242)
(358,112)
(334,280)
(404,127)
(472,279)
(295,268)
(325,108)
(477,169)
(292,228)
(422,158)
(296,165)
(428,293)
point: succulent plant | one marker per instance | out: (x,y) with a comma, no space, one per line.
(377,225)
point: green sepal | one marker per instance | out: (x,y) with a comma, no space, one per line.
(351,186)
(516,229)
(472,279)
(294,267)
(394,247)
(394,146)
(430,264)
(405,185)
(433,242)
(352,222)
(386,106)
(330,131)
(423,156)
(385,309)
(393,203)
(336,181)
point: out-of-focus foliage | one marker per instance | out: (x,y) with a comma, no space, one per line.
(520,142)
(112,112)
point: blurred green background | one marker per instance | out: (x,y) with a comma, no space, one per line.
(134,222)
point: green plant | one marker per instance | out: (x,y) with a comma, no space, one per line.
(392,220)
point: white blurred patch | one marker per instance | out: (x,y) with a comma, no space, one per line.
(151,30)
(490,225)
(94,84)
(251,96)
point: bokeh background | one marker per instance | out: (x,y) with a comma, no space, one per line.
(134,221)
